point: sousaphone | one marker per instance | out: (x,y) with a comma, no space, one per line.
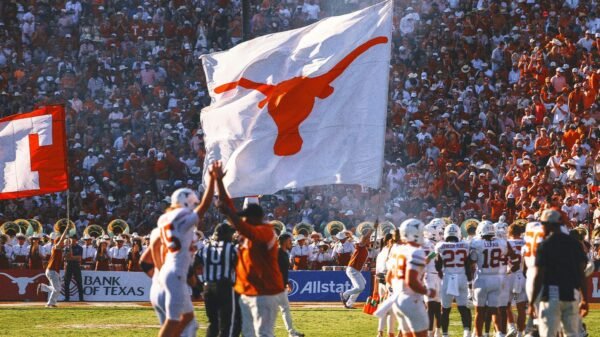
(386,228)
(302,228)
(23,224)
(117,227)
(35,227)
(334,227)
(278,226)
(10,228)
(364,227)
(95,231)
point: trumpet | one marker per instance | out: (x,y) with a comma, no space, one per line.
(94,231)
(334,227)
(117,227)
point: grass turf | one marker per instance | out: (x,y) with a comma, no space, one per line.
(35,321)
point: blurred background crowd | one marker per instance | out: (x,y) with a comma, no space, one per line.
(492,107)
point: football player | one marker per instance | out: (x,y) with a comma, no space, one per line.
(516,285)
(534,235)
(453,264)
(434,231)
(405,272)
(488,254)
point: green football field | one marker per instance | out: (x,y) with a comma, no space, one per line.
(25,320)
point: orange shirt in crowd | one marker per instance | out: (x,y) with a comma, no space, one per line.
(570,137)
(257,269)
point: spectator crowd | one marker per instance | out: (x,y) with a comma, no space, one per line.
(492,107)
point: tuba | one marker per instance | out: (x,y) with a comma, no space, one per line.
(10,228)
(302,228)
(364,227)
(61,224)
(278,226)
(334,227)
(117,227)
(386,228)
(23,224)
(35,227)
(94,231)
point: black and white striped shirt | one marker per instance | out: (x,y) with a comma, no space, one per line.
(219,259)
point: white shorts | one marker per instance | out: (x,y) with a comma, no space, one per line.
(453,282)
(505,295)
(432,281)
(411,313)
(486,290)
(157,299)
(516,285)
(177,297)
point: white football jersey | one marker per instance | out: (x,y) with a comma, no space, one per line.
(402,258)
(428,247)
(177,233)
(490,256)
(517,245)
(454,255)
(534,235)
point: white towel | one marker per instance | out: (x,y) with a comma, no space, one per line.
(452,288)
(384,307)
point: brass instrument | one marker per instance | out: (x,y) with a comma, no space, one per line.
(595,232)
(334,227)
(61,224)
(23,224)
(467,224)
(278,226)
(302,228)
(10,228)
(364,227)
(117,227)
(35,227)
(386,228)
(448,221)
(94,231)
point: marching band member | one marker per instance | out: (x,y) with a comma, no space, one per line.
(46,248)
(89,252)
(20,252)
(101,256)
(118,254)
(300,253)
(342,250)
(322,257)
(315,240)
(35,257)
(5,252)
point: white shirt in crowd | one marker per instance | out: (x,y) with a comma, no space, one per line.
(88,252)
(118,253)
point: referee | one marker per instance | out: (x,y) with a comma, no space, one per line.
(219,258)
(559,280)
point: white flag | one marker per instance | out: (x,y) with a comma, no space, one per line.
(302,108)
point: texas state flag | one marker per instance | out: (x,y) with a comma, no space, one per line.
(33,153)
(302,108)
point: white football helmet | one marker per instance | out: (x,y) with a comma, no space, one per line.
(184,197)
(411,230)
(433,232)
(452,230)
(501,229)
(439,222)
(485,227)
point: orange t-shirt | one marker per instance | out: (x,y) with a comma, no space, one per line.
(359,257)
(258,268)
(55,259)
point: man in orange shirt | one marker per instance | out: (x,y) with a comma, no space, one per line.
(258,281)
(52,271)
(357,261)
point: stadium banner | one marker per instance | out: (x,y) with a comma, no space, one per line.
(323,286)
(111,286)
(593,288)
(98,286)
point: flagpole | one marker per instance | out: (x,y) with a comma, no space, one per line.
(246,20)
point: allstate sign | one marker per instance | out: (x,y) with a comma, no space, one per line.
(323,286)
